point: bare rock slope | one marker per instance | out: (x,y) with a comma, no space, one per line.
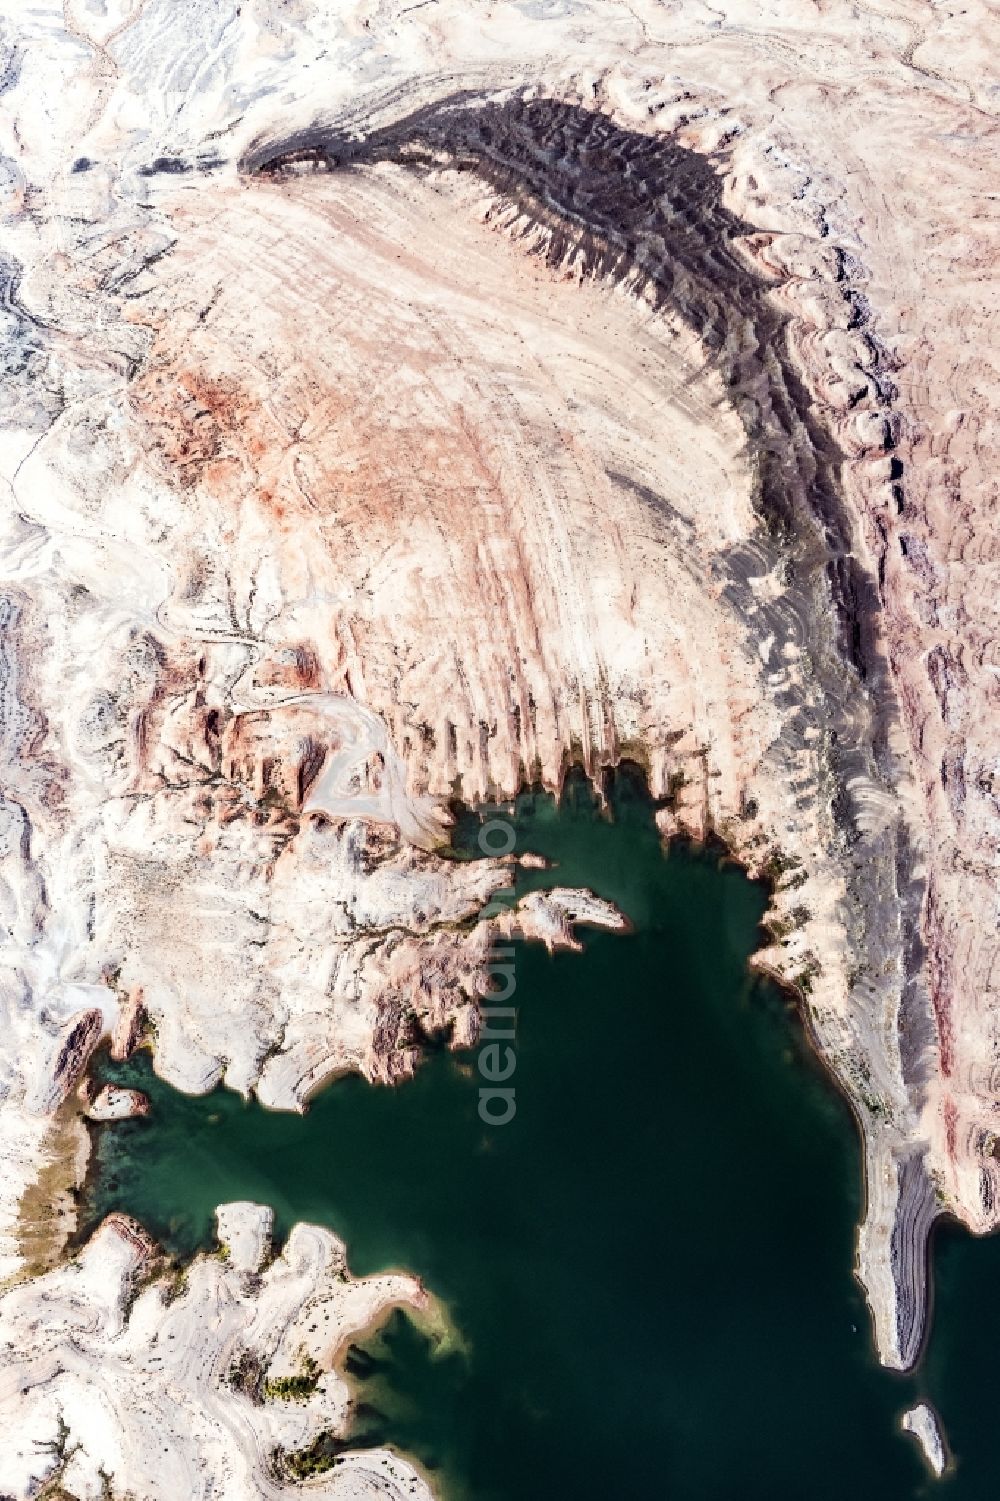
(169,1384)
(399,404)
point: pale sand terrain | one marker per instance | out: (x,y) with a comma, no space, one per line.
(108,1377)
(375,435)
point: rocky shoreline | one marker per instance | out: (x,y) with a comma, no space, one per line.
(231,1360)
(537,156)
(418,422)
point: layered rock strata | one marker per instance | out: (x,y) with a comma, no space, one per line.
(618,207)
(398,407)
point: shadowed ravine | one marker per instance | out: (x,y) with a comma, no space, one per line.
(650,1267)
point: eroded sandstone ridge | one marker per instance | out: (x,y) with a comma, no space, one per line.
(400,404)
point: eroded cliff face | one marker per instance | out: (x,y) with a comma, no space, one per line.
(399,407)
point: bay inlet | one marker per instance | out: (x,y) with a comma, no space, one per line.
(648,1266)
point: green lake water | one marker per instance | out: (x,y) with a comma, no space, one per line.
(650,1266)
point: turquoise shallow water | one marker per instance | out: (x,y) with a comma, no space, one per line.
(650,1265)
